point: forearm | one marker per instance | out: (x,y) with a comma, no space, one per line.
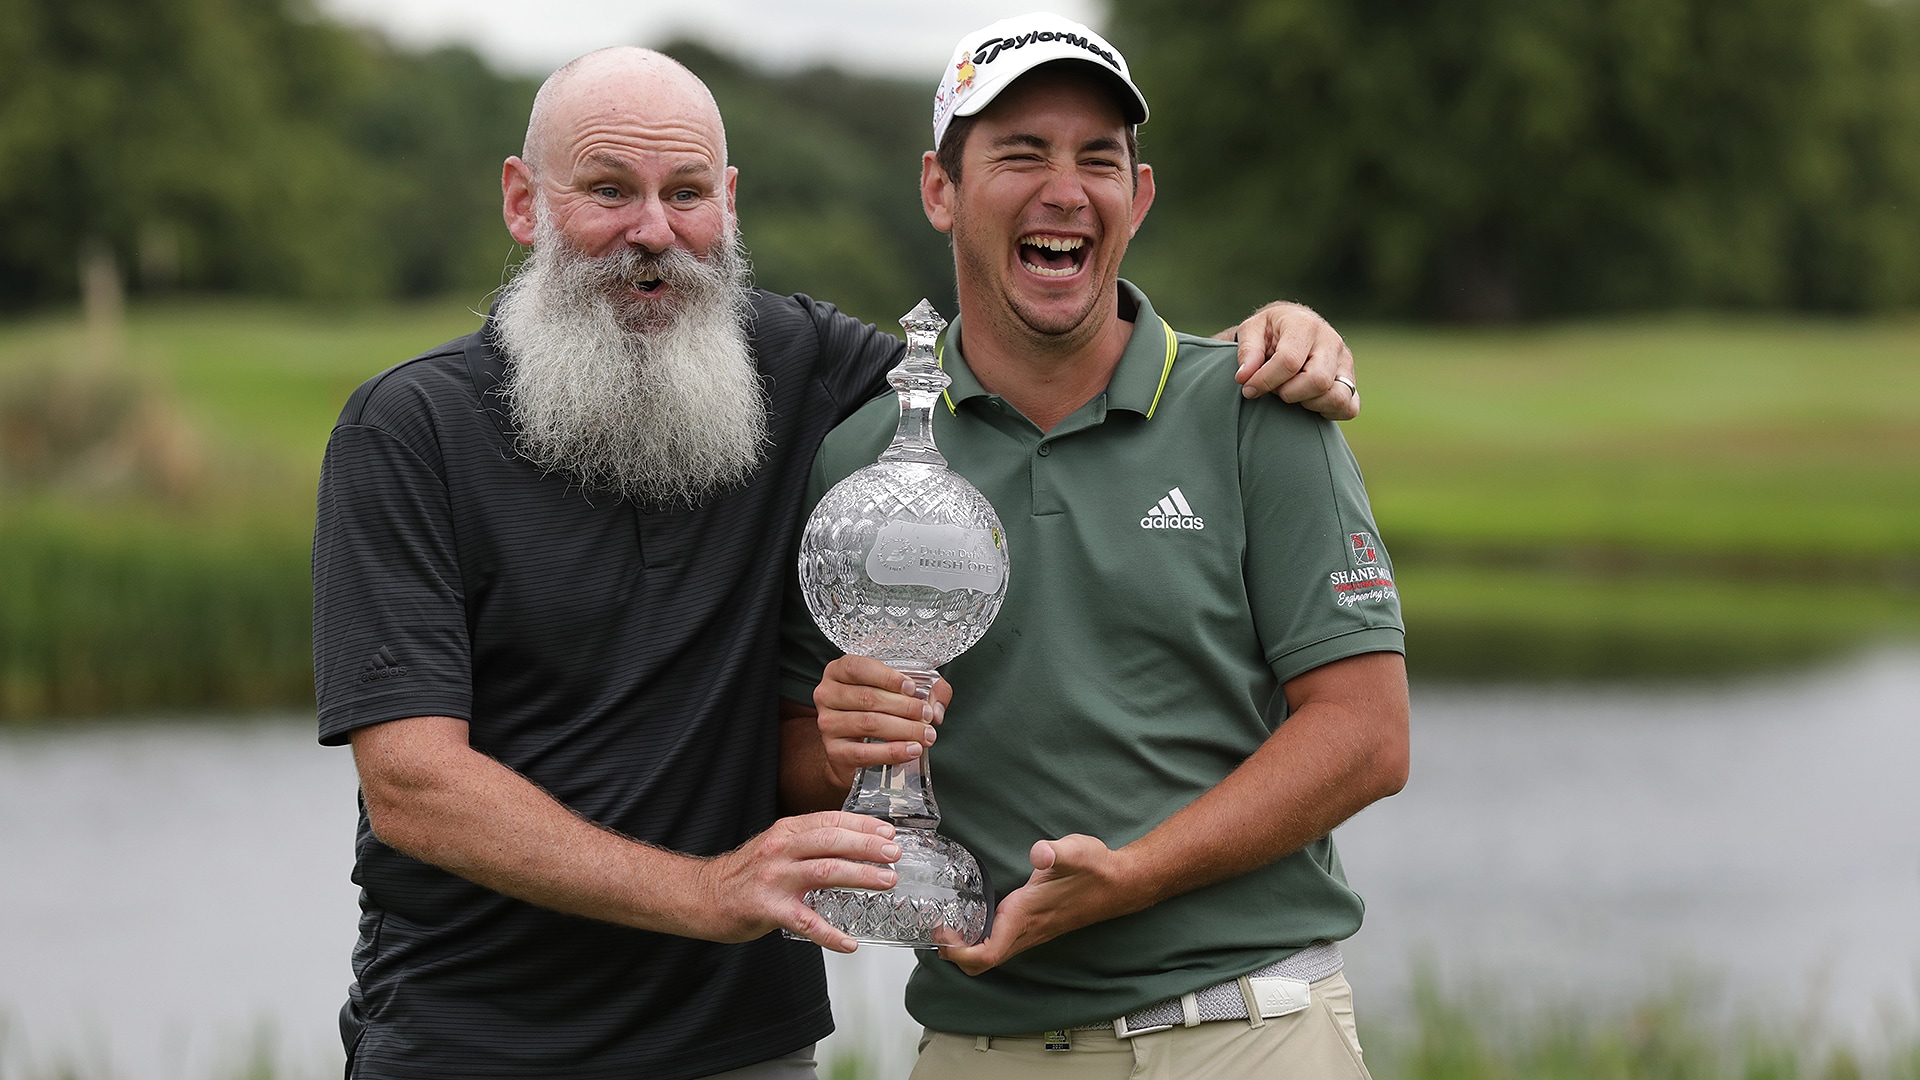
(1327,762)
(807,779)
(1343,746)
(433,797)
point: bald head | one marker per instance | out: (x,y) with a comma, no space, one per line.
(624,149)
(610,85)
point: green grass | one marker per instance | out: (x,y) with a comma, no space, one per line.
(1684,1033)
(272,381)
(148,612)
(257,1059)
(1661,497)
(261,382)
(1656,497)
(1750,442)
(1676,1036)
(118,602)
(1743,442)
(1479,623)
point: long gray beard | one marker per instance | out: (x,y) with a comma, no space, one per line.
(667,409)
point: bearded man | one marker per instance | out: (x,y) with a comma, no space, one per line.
(547,580)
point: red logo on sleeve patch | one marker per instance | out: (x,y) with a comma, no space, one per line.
(1368,582)
(1365,551)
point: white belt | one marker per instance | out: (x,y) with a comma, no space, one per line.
(1275,990)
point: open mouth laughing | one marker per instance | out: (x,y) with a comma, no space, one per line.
(1053,256)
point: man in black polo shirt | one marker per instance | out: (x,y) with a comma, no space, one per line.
(547,572)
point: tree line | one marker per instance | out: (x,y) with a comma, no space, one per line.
(1473,159)
(1492,159)
(243,146)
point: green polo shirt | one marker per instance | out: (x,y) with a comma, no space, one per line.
(1176,553)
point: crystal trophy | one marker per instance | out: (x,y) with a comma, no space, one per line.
(905,561)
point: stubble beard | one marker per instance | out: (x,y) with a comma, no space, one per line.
(659,402)
(977,259)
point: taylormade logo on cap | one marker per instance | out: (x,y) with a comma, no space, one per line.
(989,50)
(988,61)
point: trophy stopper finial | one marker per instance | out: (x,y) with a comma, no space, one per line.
(918,380)
(923,325)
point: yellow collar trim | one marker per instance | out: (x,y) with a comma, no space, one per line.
(1166,370)
(940,359)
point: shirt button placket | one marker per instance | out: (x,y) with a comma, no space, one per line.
(1045,499)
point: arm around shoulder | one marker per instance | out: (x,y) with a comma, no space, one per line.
(855,355)
(1288,350)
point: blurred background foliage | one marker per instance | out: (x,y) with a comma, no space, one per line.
(260,207)
(829,192)
(245,146)
(1491,159)
(1477,159)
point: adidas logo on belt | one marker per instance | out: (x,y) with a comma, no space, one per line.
(1172,512)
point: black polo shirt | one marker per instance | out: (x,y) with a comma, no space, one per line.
(623,658)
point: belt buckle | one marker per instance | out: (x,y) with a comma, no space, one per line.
(1121,1030)
(1189,1017)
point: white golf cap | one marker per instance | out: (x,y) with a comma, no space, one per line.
(988,61)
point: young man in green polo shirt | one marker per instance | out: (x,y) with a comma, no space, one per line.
(1189,569)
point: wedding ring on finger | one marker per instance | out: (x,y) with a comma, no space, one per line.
(1348,383)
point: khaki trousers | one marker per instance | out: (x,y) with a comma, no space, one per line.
(1317,1043)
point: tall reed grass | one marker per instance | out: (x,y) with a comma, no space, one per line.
(1683,1033)
(1677,1035)
(1450,1034)
(110,614)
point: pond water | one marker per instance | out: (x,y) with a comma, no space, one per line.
(172,895)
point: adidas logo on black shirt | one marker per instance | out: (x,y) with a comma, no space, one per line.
(382,666)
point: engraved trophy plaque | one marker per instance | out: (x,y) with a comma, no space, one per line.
(905,561)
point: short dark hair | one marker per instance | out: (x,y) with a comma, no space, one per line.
(953,147)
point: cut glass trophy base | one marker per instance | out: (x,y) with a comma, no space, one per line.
(940,886)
